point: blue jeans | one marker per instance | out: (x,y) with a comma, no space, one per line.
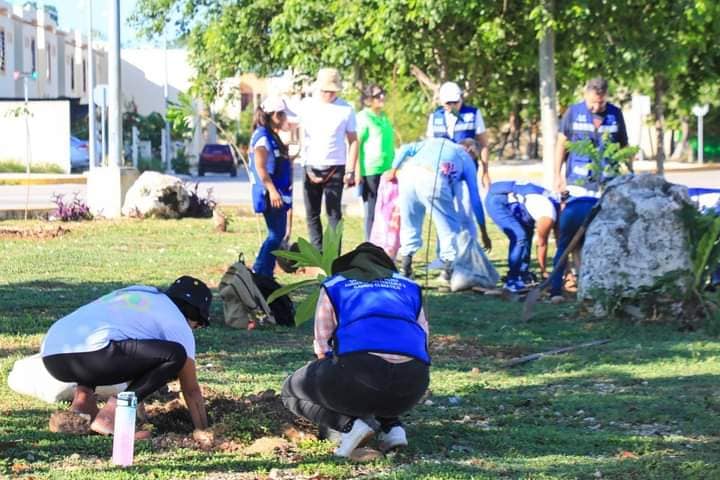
(500,211)
(416,196)
(276,221)
(570,221)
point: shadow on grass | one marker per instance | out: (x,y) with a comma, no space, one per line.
(611,419)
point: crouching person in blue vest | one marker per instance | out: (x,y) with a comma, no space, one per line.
(708,199)
(518,209)
(371,343)
(139,335)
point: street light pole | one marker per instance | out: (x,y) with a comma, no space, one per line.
(115,156)
(166,133)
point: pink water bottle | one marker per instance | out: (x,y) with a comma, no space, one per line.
(124,433)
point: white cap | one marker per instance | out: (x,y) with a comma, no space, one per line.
(274,104)
(449,92)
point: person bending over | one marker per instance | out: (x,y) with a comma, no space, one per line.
(140,335)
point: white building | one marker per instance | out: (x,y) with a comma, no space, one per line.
(143,77)
(30,41)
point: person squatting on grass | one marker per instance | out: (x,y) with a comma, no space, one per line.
(271,175)
(140,335)
(519,209)
(371,343)
(432,170)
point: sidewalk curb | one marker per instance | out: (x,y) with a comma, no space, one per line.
(528,171)
(44,181)
(237,209)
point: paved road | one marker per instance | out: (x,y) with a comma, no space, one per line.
(235,191)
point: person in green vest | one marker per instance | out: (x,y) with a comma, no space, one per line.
(377,148)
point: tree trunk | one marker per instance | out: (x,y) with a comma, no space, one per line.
(660,86)
(681,147)
(548,100)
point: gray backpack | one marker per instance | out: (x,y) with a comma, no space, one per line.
(243,302)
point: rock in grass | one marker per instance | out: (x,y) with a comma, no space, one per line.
(156,195)
(636,250)
(365,454)
(70,422)
(266,446)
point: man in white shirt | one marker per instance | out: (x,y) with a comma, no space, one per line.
(329,151)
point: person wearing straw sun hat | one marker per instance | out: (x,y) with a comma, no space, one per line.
(329,151)
(140,335)
(271,177)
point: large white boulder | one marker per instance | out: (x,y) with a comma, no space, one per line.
(636,255)
(156,195)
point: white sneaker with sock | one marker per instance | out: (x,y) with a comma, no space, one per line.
(395,438)
(356,437)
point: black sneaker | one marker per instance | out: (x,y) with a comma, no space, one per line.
(407,266)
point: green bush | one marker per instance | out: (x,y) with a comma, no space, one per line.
(154,164)
(12,166)
(180,163)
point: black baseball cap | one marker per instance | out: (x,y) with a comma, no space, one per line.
(195,293)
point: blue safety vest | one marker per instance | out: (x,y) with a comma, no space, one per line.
(706,198)
(516,188)
(464,128)
(379,316)
(279,168)
(581,128)
(516,192)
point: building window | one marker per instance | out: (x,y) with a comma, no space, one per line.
(2,50)
(33,56)
(84,74)
(48,69)
(72,73)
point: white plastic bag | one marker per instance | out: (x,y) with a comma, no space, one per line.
(30,377)
(472,268)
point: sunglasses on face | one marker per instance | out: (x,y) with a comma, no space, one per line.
(379,96)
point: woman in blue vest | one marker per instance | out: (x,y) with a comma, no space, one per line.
(517,208)
(592,119)
(371,343)
(271,179)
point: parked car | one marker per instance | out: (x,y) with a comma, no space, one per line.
(217,158)
(79,154)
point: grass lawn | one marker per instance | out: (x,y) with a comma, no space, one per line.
(646,405)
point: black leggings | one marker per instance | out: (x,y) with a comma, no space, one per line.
(333,391)
(371,183)
(146,364)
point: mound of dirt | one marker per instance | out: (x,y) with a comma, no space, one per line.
(70,422)
(235,423)
(39,233)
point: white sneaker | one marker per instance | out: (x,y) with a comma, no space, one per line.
(358,436)
(393,439)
